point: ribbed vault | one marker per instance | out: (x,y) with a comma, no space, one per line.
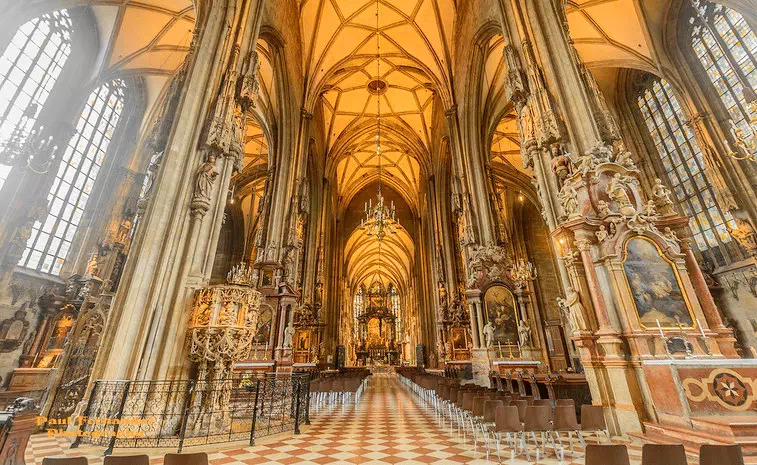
(146,36)
(365,264)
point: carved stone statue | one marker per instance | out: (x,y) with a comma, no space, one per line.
(573,309)
(745,235)
(524,334)
(661,193)
(561,164)
(206,174)
(671,235)
(569,200)
(442,296)
(623,157)
(616,190)
(601,234)
(489,334)
(288,336)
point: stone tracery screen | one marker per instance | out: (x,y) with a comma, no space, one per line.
(49,244)
(29,67)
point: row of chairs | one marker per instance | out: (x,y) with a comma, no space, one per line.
(169,459)
(339,389)
(495,416)
(664,454)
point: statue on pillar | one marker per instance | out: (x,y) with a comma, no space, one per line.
(524,334)
(573,309)
(489,334)
(288,336)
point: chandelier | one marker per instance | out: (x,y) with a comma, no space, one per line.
(32,148)
(380,219)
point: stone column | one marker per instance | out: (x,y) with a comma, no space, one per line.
(725,338)
(149,311)
(474,323)
(584,245)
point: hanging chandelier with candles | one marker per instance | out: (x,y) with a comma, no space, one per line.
(380,219)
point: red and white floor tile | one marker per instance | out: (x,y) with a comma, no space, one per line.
(389,425)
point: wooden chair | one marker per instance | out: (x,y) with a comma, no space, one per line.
(522,405)
(200,458)
(566,422)
(593,421)
(539,420)
(65,461)
(606,454)
(663,454)
(127,460)
(507,422)
(710,454)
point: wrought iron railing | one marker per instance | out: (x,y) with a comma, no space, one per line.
(179,413)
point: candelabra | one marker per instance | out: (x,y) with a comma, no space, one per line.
(380,219)
(34,149)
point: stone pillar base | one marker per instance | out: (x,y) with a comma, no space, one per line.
(481,366)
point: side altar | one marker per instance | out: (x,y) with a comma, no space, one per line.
(703,401)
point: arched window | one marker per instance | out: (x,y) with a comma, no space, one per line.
(29,67)
(394,306)
(727,48)
(684,167)
(358,308)
(51,239)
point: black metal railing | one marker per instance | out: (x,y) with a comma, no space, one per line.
(168,414)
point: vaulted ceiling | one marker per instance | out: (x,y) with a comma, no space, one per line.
(146,36)
(609,33)
(351,81)
(365,264)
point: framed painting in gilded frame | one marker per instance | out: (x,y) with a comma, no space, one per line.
(502,314)
(655,286)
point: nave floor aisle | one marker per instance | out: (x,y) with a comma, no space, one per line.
(390,425)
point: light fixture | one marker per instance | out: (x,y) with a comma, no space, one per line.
(32,148)
(380,219)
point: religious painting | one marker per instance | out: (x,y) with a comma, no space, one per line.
(501,312)
(262,336)
(459,337)
(655,286)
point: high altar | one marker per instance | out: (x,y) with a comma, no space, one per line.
(378,326)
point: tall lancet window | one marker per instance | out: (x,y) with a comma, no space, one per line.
(727,48)
(29,67)
(51,239)
(358,308)
(684,167)
(394,306)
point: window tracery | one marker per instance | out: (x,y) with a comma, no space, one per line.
(29,68)
(684,167)
(48,246)
(727,49)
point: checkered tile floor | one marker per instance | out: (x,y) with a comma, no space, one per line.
(390,425)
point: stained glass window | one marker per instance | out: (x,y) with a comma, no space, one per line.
(684,165)
(727,48)
(358,307)
(394,306)
(29,67)
(51,238)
